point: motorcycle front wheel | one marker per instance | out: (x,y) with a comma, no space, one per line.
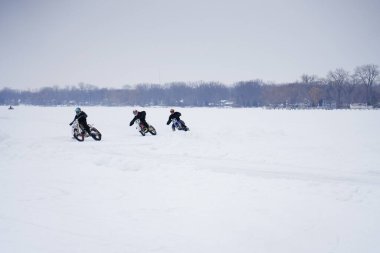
(78,136)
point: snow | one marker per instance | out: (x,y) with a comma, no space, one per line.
(241,180)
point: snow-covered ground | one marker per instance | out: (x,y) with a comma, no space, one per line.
(242,180)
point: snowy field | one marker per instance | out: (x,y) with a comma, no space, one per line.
(240,181)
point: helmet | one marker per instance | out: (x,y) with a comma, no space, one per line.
(171,110)
(78,110)
(134,112)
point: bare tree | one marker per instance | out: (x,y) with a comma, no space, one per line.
(315,95)
(308,79)
(247,93)
(337,79)
(367,75)
(350,88)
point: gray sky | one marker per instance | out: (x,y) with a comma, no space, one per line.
(112,43)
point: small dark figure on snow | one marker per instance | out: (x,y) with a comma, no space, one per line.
(141,116)
(81,117)
(176,115)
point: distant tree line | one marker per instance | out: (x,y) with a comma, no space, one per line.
(338,89)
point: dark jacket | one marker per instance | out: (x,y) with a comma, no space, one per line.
(81,117)
(172,116)
(141,116)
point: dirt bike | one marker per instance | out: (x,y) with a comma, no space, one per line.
(79,133)
(176,124)
(143,130)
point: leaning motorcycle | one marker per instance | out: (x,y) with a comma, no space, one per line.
(80,134)
(176,124)
(143,130)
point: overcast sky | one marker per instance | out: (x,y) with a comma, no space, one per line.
(113,43)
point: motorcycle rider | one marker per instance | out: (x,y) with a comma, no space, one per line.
(176,115)
(141,116)
(81,117)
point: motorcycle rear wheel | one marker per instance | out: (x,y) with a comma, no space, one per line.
(152,130)
(95,134)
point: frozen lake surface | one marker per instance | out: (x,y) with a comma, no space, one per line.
(241,180)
